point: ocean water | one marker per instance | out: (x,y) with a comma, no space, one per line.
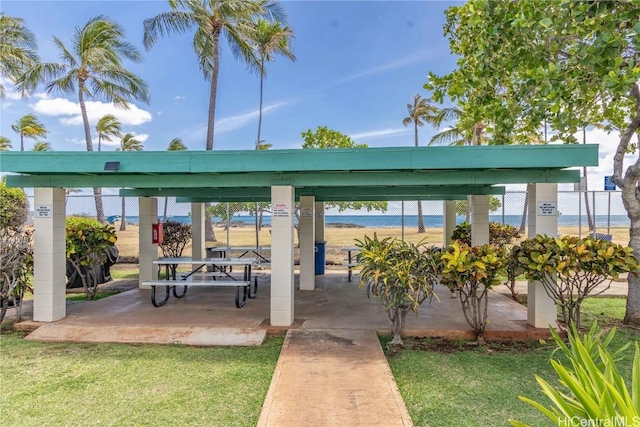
(430,221)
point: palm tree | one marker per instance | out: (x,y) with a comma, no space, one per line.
(95,65)
(17,49)
(175,145)
(5,143)
(454,135)
(108,127)
(41,146)
(270,39)
(127,143)
(419,112)
(235,19)
(29,127)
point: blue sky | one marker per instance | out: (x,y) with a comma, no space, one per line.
(358,65)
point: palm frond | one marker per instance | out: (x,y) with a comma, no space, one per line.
(451,136)
(164,24)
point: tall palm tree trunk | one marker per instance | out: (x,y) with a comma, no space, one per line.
(209,233)
(123,222)
(213,90)
(420,219)
(21,142)
(97,193)
(260,109)
(166,202)
(587,206)
(523,222)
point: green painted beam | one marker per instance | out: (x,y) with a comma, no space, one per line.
(251,161)
(214,199)
(328,179)
(437,190)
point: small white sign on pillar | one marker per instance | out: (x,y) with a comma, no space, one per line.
(281,210)
(43,211)
(306,212)
(547,209)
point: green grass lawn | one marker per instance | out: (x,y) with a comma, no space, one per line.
(56,384)
(480,387)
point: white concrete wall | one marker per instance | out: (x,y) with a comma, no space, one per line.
(197,229)
(49,256)
(148,214)
(449,209)
(282,276)
(541,310)
(479,220)
(307,243)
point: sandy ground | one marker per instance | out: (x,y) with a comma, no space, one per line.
(336,238)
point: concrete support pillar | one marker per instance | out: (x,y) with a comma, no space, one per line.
(282,303)
(319,208)
(479,220)
(307,243)
(198,249)
(49,255)
(543,219)
(449,210)
(148,252)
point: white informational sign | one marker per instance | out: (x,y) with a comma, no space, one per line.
(547,209)
(43,211)
(306,212)
(281,210)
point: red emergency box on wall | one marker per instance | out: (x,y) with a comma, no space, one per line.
(156,233)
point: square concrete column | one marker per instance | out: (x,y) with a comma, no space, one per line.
(479,220)
(198,249)
(148,252)
(319,209)
(282,198)
(449,211)
(543,219)
(307,243)
(49,255)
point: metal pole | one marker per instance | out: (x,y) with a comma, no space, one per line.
(593,203)
(609,214)
(402,218)
(228,228)
(257,236)
(580,214)
(503,209)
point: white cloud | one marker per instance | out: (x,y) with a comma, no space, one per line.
(378,133)
(69,112)
(230,123)
(178,97)
(10,92)
(392,65)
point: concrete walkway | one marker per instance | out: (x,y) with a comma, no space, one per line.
(333,377)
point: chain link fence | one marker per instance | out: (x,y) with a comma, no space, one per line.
(236,224)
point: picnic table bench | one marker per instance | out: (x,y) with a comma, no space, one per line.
(218,278)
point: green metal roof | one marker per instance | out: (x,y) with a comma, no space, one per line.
(329,174)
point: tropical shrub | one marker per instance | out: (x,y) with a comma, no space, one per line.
(16,264)
(594,393)
(176,236)
(570,268)
(499,234)
(473,271)
(14,206)
(401,274)
(88,242)
(513,269)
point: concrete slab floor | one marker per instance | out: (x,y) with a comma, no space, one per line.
(334,304)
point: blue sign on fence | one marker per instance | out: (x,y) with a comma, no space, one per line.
(608,185)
